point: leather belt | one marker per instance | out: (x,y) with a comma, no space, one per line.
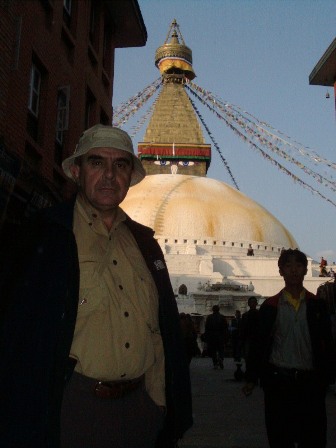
(295,374)
(116,389)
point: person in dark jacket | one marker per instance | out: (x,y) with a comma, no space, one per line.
(249,331)
(216,331)
(236,336)
(295,362)
(189,336)
(90,344)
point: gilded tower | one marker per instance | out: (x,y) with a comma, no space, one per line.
(174,142)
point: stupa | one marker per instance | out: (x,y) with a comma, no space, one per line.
(218,243)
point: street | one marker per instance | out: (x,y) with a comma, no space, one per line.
(224,417)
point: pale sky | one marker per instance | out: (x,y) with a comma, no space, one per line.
(256,55)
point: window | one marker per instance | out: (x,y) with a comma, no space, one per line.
(94,24)
(62,121)
(34,90)
(17,41)
(107,47)
(48,6)
(104,118)
(67,6)
(90,109)
(70,15)
(93,16)
(38,86)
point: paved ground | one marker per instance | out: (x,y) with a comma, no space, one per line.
(225,418)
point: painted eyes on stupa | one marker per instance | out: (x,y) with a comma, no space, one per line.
(186,163)
(168,162)
(162,162)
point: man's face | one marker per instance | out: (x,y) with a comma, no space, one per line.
(293,272)
(104,176)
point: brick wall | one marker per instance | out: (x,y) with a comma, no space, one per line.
(35,31)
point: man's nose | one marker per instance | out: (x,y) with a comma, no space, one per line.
(109,171)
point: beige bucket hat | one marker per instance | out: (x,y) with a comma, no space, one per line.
(101,136)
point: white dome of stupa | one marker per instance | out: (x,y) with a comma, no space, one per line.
(193,207)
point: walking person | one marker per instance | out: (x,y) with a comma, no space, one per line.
(295,361)
(236,336)
(90,345)
(216,331)
(189,336)
(249,332)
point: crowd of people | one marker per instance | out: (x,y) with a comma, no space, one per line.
(93,350)
(237,337)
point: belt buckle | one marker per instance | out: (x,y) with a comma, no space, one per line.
(98,387)
(103,390)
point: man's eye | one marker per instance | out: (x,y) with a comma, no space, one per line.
(96,162)
(121,164)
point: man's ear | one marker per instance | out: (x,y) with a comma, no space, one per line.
(280,272)
(75,171)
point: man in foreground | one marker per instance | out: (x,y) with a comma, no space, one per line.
(295,361)
(91,353)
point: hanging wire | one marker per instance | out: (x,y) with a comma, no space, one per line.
(258,134)
(214,142)
(142,120)
(255,134)
(130,107)
(284,139)
(257,147)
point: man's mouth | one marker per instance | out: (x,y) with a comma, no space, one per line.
(107,188)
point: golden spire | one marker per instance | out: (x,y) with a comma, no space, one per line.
(174,57)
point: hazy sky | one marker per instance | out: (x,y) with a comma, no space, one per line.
(257,55)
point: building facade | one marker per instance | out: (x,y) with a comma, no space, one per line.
(56,77)
(324,72)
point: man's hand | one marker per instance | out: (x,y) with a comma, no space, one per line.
(248,389)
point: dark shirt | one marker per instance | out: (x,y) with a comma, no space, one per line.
(216,328)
